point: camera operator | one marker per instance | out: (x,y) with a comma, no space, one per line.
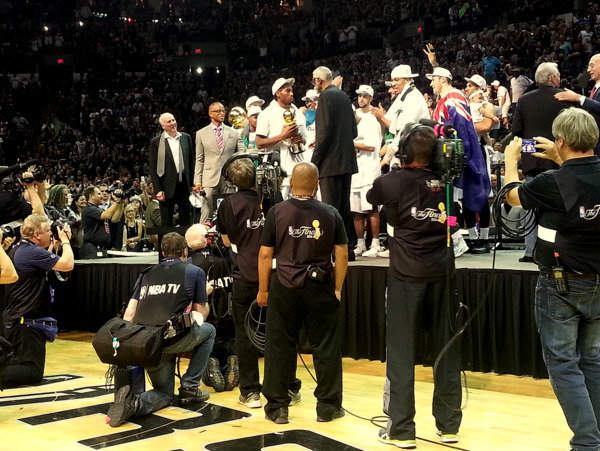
(97,238)
(567,300)
(240,221)
(14,207)
(163,294)
(27,321)
(8,274)
(420,289)
(222,371)
(306,290)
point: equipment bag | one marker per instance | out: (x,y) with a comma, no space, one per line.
(120,342)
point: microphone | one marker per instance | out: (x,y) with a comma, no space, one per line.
(439,128)
(6,171)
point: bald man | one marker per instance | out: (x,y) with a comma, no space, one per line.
(302,233)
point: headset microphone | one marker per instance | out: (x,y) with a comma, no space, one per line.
(439,128)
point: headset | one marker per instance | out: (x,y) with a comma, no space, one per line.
(407,157)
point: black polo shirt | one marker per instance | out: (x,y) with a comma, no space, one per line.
(95,230)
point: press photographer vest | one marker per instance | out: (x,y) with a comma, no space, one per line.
(162,295)
(305,237)
(578,240)
(248,229)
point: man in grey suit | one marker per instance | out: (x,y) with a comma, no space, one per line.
(171,156)
(215,143)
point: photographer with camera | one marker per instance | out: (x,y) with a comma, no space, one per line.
(567,296)
(421,294)
(14,207)
(28,324)
(164,294)
(97,238)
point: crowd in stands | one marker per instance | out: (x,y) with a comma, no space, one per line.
(96,129)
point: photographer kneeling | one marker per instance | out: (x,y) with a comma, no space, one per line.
(28,324)
(421,294)
(160,295)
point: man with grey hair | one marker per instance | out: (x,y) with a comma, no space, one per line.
(567,298)
(533,117)
(171,156)
(334,152)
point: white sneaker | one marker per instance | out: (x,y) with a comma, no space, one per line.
(384,254)
(360,249)
(460,246)
(373,252)
(251,400)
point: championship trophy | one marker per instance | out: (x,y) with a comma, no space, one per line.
(237,117)
(289,117)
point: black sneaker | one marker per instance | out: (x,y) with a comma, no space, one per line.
(279,416)
(232,373)
(527,259)
(122,409)
(212,376)
(479,248)
(333,416)
(190,395)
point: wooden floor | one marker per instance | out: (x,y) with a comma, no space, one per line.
(500,413)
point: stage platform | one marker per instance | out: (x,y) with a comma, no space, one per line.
(501,337)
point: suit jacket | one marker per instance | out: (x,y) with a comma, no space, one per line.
(168,181)
(592,106)
(335,132)
(209,159)
(534,115)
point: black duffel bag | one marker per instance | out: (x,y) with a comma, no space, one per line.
(123,343)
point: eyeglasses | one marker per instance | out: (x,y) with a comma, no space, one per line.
(217,111)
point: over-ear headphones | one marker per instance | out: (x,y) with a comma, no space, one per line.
(405,154)
(231,159)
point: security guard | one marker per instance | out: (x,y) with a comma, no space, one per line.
(567,296)
(161,295)
(420,288)
(305,290)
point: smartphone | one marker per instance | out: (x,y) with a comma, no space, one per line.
(528,146)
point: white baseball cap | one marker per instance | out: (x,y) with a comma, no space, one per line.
(478,80)
(402,71)
(254,99)
(254,110)
(439,72)
(280,82)
(311,94)
(365,89)
(495,83)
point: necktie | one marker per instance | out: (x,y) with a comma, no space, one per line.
(593,93)
(219,135)
(181,163)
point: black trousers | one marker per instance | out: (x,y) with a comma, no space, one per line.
(27,367)
(247,354)
(418,313)
(181,198)
(335,191)
(315,306)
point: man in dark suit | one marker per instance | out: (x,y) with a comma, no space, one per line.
(533,117)
(171,158)
(334,152)
(590,104)
(215,143)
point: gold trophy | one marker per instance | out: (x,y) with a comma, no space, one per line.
(289,117)
(237,117)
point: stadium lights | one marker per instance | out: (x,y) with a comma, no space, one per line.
(198,70)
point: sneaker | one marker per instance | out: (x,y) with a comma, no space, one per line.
(212,376)
(295,397)
(190,395)
(122,409)
(334,416)
(384,254)
(447,438)
(279,416)
(360,249)
(251,400)
(526,259)
(460,247)
(373,252)
(404,444)
(232,373)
